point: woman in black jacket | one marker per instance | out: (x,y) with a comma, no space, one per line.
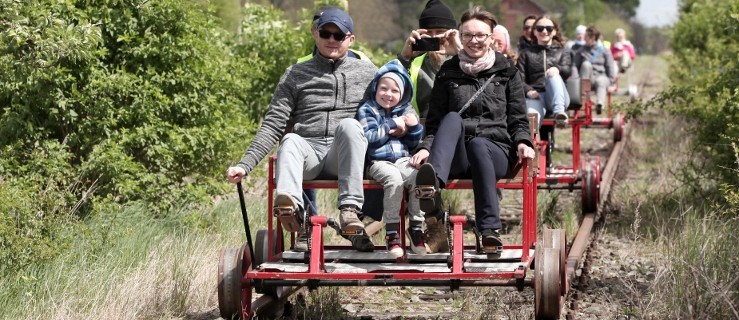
(545,67)
(470,136)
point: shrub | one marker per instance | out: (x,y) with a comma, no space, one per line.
(37,219)
(148,95)
(108,101)
(705,77)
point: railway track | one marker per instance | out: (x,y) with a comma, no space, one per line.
(586,240)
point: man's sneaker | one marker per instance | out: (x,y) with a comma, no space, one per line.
(436,235)
(301,242)
(393,245)
(560,120)
(286,210)
(418,241)
(491,242)
(598,108)
(427,189)
(361,242)
(349,218)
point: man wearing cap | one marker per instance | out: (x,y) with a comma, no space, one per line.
(314,26)
(436,21)
(310,194)
(321,96)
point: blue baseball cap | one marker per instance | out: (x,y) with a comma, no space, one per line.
(338,17)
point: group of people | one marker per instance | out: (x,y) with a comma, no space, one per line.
(352,120)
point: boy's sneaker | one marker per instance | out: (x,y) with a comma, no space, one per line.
(301,242)
(491,242)
(418,242)
(598,108)
(393,245)
(560,120)
(286,210)
(349,218)
(437,236)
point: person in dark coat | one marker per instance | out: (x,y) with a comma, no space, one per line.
(525,40)
(470,135)
(545,66)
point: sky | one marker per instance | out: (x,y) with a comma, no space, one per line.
(657,13)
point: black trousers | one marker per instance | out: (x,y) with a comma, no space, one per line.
(455,156)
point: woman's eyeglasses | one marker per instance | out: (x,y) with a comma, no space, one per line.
(542,28)
(478,37)
(338,36)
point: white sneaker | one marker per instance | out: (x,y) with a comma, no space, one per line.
(560,120)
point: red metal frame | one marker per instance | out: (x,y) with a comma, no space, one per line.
(583,117)
(316,265)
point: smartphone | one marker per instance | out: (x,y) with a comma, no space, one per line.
(426,44)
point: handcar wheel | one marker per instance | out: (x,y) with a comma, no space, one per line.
(556,238)
(261,250)
(589,190)
(547,284)
(618,127)
(229,283)
(261,255)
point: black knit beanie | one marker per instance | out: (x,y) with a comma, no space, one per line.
(437,15)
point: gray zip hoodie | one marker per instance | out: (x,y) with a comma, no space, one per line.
(602,64)
(315,95)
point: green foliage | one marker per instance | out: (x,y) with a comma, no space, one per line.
(108,101)
(37,208)
(269,44)
(571,13)
(625,8)
(705,77)
(146,94)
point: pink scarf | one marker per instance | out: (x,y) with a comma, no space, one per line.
(474,66)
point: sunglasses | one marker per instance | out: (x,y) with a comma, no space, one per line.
(542,28)
(527,27)
(338,36)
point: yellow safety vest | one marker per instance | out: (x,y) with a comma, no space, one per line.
(415,68)
(359,54)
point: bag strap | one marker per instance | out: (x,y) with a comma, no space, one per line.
(596,54)
(545,61)
(477,94)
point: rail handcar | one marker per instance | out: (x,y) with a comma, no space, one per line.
(275,273)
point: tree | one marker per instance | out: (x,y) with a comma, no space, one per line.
(626,9)
(144,94)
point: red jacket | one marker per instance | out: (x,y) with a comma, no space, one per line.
(618,48)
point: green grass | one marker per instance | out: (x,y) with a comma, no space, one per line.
(147,268)
(660,208)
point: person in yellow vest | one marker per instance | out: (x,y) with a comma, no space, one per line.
(314,26)
(436,20)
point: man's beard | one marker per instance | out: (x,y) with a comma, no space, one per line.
(436,59)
